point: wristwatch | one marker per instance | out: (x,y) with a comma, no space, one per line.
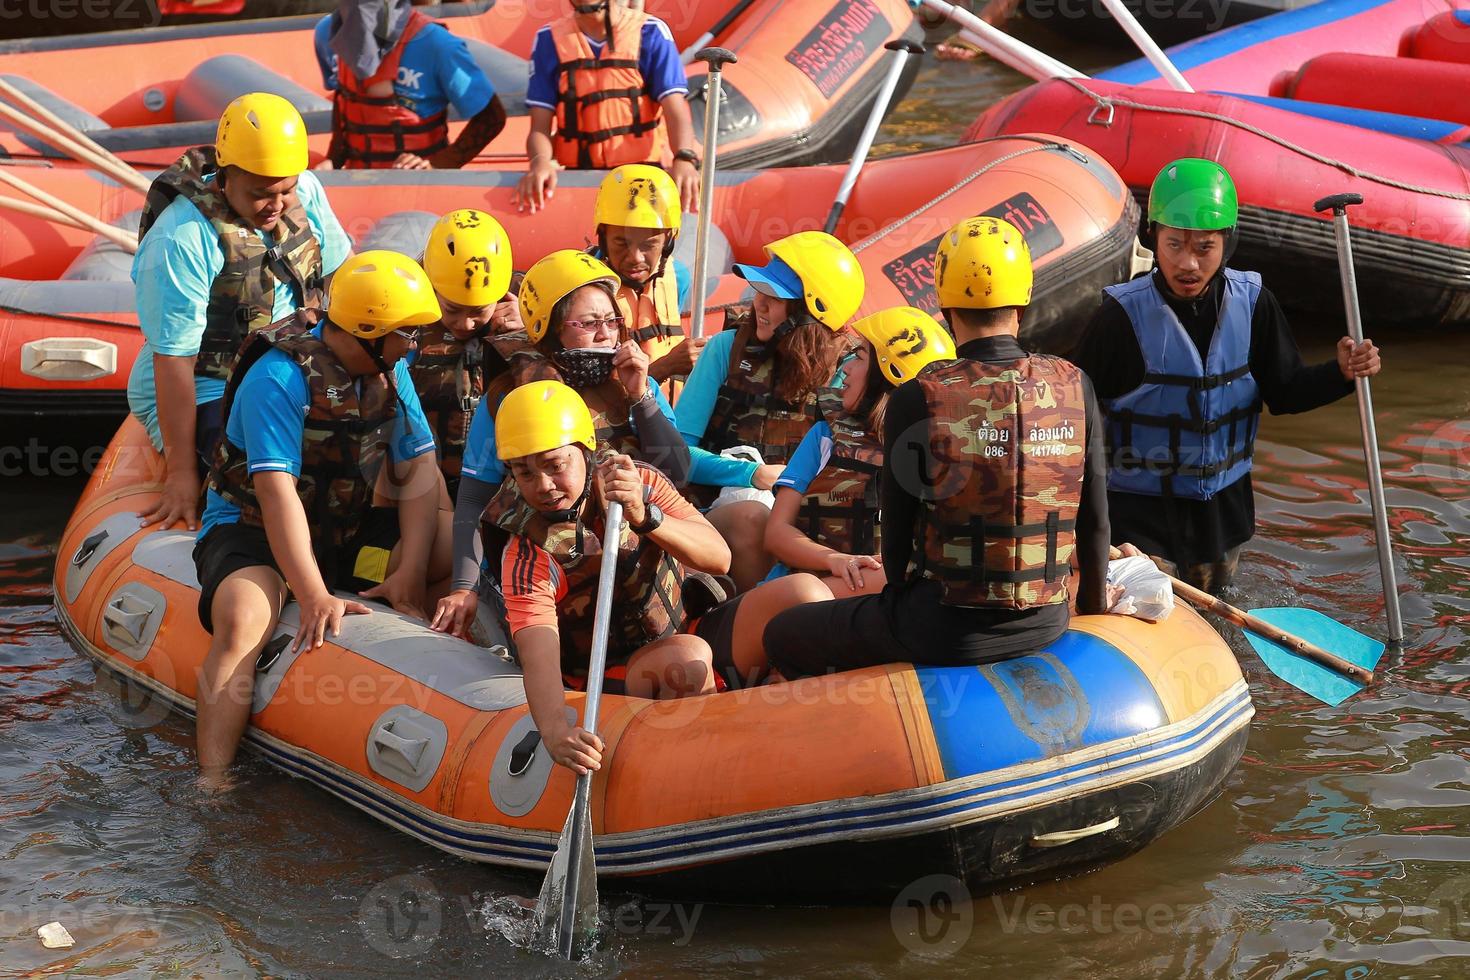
(689,156)
(653,517)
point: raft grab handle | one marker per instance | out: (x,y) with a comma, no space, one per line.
(523,753)
(1060,838)
(88,548)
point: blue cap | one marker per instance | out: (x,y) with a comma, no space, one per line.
(775,278)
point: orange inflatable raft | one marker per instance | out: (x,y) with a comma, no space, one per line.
(67,322)
(845,787)
(808,75)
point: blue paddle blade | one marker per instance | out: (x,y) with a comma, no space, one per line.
(1320,682)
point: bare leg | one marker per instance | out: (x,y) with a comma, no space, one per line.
(747,644)
(245,609)
(743,526)
(678,666)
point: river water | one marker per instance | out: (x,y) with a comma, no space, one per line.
(1338,848)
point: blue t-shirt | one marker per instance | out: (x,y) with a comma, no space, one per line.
(436,71)
(175,268)
(658,61)
(268,420)
(480,461)
(809,460)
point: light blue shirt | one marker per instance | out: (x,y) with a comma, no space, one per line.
(809,460)
(480,460)
(435,72)
(176,266)
(268,421)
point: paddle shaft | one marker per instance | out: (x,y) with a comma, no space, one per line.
(38,211)
(601,624)
(717,59)
(1201,599)
(1151,51)
(901,49)
(999,45)
(99,156)
(688,54)
(80,218)
(1339,204)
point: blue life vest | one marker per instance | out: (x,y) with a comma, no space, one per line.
(1189,429)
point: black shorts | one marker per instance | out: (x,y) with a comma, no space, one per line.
(227,548)
(717,628)
(209,423)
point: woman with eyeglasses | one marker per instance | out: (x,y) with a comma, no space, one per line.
(757,381)
(577,337)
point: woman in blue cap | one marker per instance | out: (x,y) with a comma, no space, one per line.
(756,384)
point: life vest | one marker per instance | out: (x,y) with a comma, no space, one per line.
(1189,429)
(647,596)
(375,129)
(604,114)
(242,297)
(608,402)
(449,375)
(747,411)
(1006,448)
(840,508)
(349,424)
(653,318)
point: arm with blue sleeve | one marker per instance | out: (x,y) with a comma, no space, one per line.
(696,405)
(470,92)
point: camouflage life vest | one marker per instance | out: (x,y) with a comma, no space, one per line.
(840,508)
(242,297)
(648,595)
(343,446)
(1006,448)
(747,411)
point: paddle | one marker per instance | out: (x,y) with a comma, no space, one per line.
(690,53)
(80,218)
(1151,51)
(1301,661)
(1338,205)
(717,59)
(1000,45)
(567,906)
(902,49)
(46,125)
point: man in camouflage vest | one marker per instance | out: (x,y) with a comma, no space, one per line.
(324,480)
(235,236)
(995,488)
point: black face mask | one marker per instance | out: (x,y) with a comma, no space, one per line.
(584,367)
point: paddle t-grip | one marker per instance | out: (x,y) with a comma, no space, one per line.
(906,45)
(717,58)
(1338,203)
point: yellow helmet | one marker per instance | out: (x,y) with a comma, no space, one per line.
(539,416)
(468,258)
(906,340)
(558,275)
(981,264)
(375,293)
(637,195)
(261,133)
(831,279)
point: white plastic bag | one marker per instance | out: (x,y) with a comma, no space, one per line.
(730,495)
(1147,593)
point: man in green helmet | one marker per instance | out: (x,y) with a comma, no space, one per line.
(1182,361)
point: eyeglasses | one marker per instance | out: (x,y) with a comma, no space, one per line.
(595,326)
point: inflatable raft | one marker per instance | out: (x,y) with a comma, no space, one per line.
(1299,106)
(68,332)
(846,787)
(808,75)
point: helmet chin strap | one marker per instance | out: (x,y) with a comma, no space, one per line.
(573,513)
(374,350)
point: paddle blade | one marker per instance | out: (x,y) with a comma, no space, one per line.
(566,910)
(1324,631)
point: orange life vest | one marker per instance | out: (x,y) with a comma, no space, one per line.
(604,115)
(376,129)
(652,316)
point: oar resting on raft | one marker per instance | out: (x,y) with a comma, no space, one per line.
(1298,660)
(55,208)
(45,125)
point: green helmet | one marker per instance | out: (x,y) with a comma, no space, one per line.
(1194,194)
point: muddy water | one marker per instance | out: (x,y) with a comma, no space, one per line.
(1338,849)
